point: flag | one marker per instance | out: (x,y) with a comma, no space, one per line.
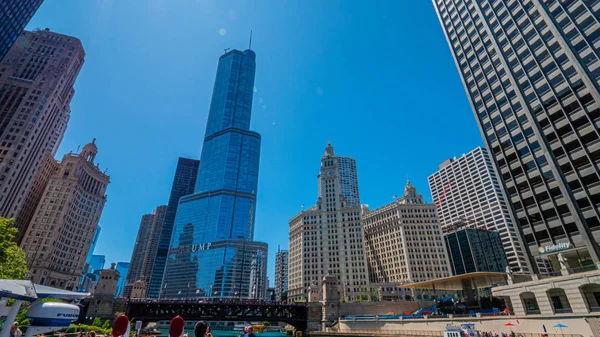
(395,197)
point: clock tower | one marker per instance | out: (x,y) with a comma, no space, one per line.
(331,197)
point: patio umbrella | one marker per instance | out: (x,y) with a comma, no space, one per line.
(560,326)
(544,327)
(509,324)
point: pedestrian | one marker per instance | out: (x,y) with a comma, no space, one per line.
(93,334)
(249,332)
(208,334)
(15,331)
(200,329)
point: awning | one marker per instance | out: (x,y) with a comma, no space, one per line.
(478,279)
(46,292)
(27,291)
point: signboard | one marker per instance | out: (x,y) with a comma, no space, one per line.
(138,325)
(201,246)
(547,249)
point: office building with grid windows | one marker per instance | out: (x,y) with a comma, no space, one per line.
(532,75)
(466,190)
(15,15)
(212,252)
(281,272)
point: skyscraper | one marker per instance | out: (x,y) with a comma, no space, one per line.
(97,262)
(139,253)
(349,180)
(15,15)
(215,225)
(152,243)
(404,243)
(327,238)
(467,190)
(122,268)
(36,87)
(184,183)
(530,72)
(281,272)
(475,250)
(60,235)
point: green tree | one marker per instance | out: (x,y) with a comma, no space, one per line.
(97,322)
(12,259)
(106,325)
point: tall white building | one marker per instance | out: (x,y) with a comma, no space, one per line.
(467,190)
(281,272)
(328,238)
(404,242)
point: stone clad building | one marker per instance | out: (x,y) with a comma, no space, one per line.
(327,238)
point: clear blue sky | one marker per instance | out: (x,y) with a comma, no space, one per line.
(376,77)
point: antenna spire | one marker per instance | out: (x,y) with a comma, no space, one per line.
(250,43)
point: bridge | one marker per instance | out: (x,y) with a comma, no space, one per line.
(153,311)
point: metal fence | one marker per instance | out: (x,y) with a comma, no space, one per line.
(413,333)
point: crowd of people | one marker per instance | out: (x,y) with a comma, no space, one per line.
(211,301)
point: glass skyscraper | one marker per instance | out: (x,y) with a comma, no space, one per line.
(531,72)
(184,183)
(15,15)
(473,250)
(211,252)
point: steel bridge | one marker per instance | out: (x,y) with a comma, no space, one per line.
(151,311)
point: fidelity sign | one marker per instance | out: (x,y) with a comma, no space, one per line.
(201,246)
(547,249)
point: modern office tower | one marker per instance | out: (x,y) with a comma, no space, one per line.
(349,180)
(122,268)
(215,225)
(60,235)
(152,243)
(15,15)
(475,250)
(467,190)
(530,70)
(327,238)
(184,183)
(97,262)
(403,242)
(88,271)
(281,272)
(138,255)
(36,87)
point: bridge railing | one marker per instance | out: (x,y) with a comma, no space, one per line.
(213,301)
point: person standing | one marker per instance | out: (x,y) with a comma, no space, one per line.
(249,332)
(201,329)
(15,331)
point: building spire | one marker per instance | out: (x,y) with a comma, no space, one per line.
(250,42)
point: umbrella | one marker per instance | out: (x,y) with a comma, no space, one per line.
(509,324)
(560,326)
(544,327)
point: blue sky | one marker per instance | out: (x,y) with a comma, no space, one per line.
(376,77)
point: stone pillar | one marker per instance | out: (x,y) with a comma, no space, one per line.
(517,304)
(576,300)
(314,292)
(541,296)
(331,299)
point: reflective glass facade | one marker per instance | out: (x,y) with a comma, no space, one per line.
(215,225)
(184,183)
(473,250)
(15,15)
(531,71)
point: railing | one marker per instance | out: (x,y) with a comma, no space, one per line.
(564,311)
(583,269)
(533,312)
(595,309)
(404,333)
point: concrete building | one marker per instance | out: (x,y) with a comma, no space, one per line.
(281,272)
(530,72)
(404,243)
(122,268)
(327,238)
(60,235)
(36,87)
(138,255)
(152,243)
(212,243)
(475,249)
(16,15)
(467,190)
(103,302)
(184,183)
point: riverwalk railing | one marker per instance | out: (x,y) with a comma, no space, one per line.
(413,333)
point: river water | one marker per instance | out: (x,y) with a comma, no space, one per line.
(222,333)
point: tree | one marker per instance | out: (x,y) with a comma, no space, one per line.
(13,265)
(106,325)
(97,322)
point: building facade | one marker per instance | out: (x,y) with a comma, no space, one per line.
(215,225)
(531,74)
(184,183)
(16,14)
(281,272)
(349,180)
(153,239)
(122,268)
(36,87)
(59,237)
(475,250)
(138,256)
(404,242)
(97,262)
(467,189)
(327,238)
(89,279)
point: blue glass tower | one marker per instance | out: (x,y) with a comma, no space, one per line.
(215,225)
(15,15)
